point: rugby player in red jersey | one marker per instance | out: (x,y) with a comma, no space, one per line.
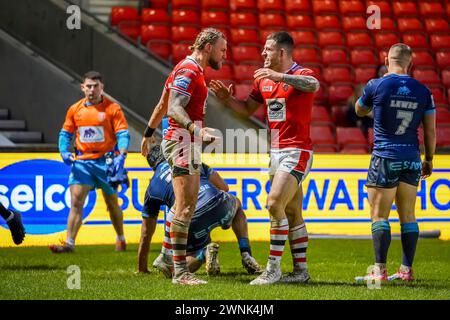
(184,100)
(286,90)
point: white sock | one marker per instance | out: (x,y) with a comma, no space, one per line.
(120,238)
(10,217)
(70,242)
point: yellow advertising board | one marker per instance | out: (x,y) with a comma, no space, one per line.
(335,199)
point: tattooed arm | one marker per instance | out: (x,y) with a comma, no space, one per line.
(176,109)
(299,82)
(302,83)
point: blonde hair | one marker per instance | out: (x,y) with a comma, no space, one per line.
(209,35)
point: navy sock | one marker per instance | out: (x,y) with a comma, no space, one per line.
(410,235)
(4,213)
(381,235)
(244,245)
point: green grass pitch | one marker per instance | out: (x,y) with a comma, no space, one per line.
(35,273)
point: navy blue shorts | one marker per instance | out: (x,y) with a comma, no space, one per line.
(219,212)
(388,173)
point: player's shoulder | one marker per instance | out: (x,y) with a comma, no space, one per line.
(74,107)
(111,106)
(187,67)
(303,71)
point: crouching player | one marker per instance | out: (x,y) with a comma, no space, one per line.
(215,208)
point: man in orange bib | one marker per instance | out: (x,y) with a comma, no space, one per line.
(100,127)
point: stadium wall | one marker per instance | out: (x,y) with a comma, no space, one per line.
(335,199)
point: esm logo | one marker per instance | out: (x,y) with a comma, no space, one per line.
(39,190)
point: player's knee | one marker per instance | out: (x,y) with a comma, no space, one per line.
(275,207)
(77,203)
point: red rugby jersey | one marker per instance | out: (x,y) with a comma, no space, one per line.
(288,110)
(188,78)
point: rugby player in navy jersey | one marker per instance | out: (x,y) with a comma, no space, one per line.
(400,104)
(215,208)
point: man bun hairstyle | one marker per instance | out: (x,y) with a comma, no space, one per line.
(208,35)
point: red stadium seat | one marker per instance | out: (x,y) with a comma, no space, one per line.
(330,38)
(386,39)
(159,4)
(364,74)
(320,116)
(384,6)
(242,91)
(337,74)
(323,22)
(436,25)
(154,32)
(322,135)
(297,5)
(179,52)
(270,20)
(237,5)
(415,40)
(409,24)
(351,23)
(428,9)
(359,39)
(334,56)
(184,33)
(270,5)
(339,93)
(427,76)
(299,21)
(442,117)
(447,9)
(388,24)
(154,16)
(382,54)
(243,19)
(244,36)
(215,18)
(422,58)
(324,6)
(352,7)
(160,48)
(350,136)
(215,4)
(443,137)
(363,57)
(446,77)
(130,29)
(246,54)
(440,41)
(184,4)
(308,55)
(185,17)
(119,14)
(304,37)
(438,95)
(244,72)
(403,8)
(443,59)
(225,73)
(339,114)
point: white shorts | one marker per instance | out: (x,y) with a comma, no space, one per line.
(294,161)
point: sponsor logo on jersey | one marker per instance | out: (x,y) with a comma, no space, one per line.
(285,87)
(403,91)
(182,82)
(41,194)
(267,89)
(89,134)
(276,109)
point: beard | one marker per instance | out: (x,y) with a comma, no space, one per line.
(214,64)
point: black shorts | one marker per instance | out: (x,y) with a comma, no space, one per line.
(388,173)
